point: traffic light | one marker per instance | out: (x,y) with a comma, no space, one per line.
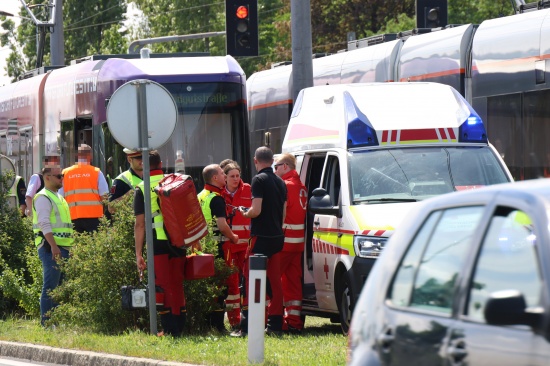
(431,13)
(241,27)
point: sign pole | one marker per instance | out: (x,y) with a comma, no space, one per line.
(141,95)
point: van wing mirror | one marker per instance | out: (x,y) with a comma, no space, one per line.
(320,203)
(508,307)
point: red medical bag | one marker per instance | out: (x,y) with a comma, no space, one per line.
(181,210)
(199,266)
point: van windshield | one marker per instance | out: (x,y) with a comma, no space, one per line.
(408,174)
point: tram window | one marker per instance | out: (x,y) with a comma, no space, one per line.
(536,129)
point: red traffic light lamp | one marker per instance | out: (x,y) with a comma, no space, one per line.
(241,27)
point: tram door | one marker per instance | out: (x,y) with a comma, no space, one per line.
(24,165)
(73,134)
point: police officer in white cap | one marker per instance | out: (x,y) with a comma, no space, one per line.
(128,180)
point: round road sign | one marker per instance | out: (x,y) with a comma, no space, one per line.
(124,119)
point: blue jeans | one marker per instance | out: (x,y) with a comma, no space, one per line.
(52,278)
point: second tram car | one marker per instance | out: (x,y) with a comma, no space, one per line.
(500,67)
(52,113)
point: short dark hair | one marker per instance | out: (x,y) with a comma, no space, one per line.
(229,167)
(154,160)
(264,154)
(209,171)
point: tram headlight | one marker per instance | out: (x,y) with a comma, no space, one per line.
(368,246)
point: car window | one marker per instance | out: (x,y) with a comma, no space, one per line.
(427,274)
(507,261)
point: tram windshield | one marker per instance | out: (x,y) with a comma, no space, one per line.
(211,127)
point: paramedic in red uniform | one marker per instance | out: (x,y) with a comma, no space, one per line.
(293,249)
(266,237)
(236,194)
(84,188)
(213,209)
(169,260)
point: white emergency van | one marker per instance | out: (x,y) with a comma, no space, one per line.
(367,153)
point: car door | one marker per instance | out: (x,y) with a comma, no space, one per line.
(422,296)
(507,260)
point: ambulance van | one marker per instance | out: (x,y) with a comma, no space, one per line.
(367,153)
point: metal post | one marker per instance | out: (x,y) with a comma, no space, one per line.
(144,144)
(57,46)
(256,308)
(302,63)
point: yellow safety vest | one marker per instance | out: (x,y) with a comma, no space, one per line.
(60,220)
(130,179)
(158,220)
(205,197)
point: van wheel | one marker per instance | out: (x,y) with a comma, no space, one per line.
(345,304)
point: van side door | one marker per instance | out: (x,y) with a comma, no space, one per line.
(325,236)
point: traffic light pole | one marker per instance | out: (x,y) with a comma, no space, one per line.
(302,63)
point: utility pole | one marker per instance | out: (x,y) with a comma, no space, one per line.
(302,63)
(57,41)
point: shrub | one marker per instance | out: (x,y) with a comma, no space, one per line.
(16,247)
(104,261)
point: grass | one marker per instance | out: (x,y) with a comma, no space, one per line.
(321,343)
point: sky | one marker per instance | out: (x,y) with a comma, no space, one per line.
(10,6)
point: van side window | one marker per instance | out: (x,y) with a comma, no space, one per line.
(313,180)
(332,179)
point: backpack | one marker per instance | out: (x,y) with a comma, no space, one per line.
(183,218)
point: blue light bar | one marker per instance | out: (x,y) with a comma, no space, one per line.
(360,131)
(472,129)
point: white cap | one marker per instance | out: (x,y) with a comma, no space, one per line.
(131,153)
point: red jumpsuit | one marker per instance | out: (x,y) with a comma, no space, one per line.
(292,253)
(235,253)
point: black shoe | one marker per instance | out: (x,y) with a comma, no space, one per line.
(238,333)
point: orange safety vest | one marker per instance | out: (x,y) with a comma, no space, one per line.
(239,225)
(81,191)
(296,204)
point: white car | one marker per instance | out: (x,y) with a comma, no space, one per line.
(464,281)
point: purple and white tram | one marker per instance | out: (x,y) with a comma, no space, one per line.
(52,113)
(500,67)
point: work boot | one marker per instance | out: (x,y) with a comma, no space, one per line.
(216,321)
(275,323)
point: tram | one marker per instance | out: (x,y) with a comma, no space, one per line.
(499,66)
(57,109)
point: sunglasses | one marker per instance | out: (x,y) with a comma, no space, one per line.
(278,165)
(58,176)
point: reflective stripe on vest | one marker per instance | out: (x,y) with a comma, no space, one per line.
(60,220)
(156,214)
(81,191)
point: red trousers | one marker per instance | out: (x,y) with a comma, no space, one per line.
(169,276)
(291,277)
(233,300)
(274,287)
